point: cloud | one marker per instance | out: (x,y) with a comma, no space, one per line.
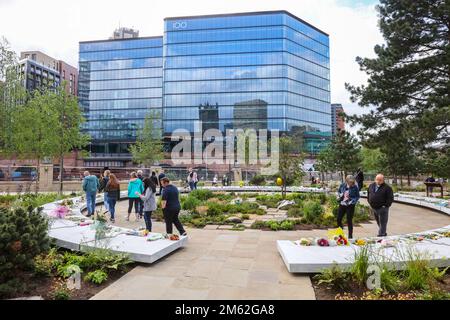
(56,26)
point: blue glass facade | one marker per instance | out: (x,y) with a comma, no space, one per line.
(260,71)
(120,82)
(257,70)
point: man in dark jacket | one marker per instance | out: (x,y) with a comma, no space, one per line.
(380,197)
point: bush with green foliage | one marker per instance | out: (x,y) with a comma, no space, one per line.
(258,180)
(23,236)
(312,211)
(295,212)
(334,277)
(202,194)
(97,277)
(190,203)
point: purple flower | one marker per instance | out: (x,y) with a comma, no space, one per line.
(59,212)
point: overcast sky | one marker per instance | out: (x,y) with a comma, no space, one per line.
(56,26)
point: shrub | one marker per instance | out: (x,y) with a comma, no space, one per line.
(362,213)
(258,180)
(389,280)
(273,225)
(202,194)
(97,276)
(312,210)
(198,222)
(105,259)
(287,225)
(60,291)
(418,274)
(258,224)
(334,277)
(23,236)
(214,209)
(190,203)
(67,270)
(245,216)
(294,212)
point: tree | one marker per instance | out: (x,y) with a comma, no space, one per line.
(400,157)
(290,162)
(148,148)
(33,128)
(344,153)
(12,94)
(409,80)
(372,160)
(438,163)
(325,162)
(68,123)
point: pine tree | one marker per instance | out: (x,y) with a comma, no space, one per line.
(409,80)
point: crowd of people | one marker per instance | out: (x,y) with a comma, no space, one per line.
(141,193)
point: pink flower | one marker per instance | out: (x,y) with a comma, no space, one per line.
(59,212)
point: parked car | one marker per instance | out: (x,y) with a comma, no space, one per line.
(24,174)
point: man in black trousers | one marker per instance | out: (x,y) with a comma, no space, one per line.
(171,207)
(380,197)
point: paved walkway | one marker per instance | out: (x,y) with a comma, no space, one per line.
(222,264)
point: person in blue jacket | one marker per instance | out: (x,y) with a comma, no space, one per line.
(134,186)
(348,197)
(90,186)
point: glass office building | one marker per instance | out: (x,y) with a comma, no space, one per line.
(263,70)
(120,82)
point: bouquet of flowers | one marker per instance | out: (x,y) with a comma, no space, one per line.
(59,212)
(338,236)
(322,242)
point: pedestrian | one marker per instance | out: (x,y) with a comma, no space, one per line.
(160,177)
(432,180)
(380,197)
(112,193)
(149,199)
(215,180)
(103,182)
(195,178)
(224,180)
(359,178)
(154,178)
(140,175)
(171,207)
(90,186)
(135,185)
(348,197)
(190,179)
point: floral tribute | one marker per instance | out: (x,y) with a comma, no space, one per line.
(59,212)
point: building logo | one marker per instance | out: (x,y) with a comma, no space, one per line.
(179,25)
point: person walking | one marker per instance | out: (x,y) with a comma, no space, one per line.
(160,177)
(171,207)
(90,186)
(215,180)
(112,193)
(140,175)
(359,178)
(135,185)
(149,200)
(103,182)
(348,197)
(380,197)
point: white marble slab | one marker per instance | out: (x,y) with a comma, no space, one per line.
(68,234)
(313,259)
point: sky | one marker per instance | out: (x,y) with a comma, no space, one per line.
(56,26)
